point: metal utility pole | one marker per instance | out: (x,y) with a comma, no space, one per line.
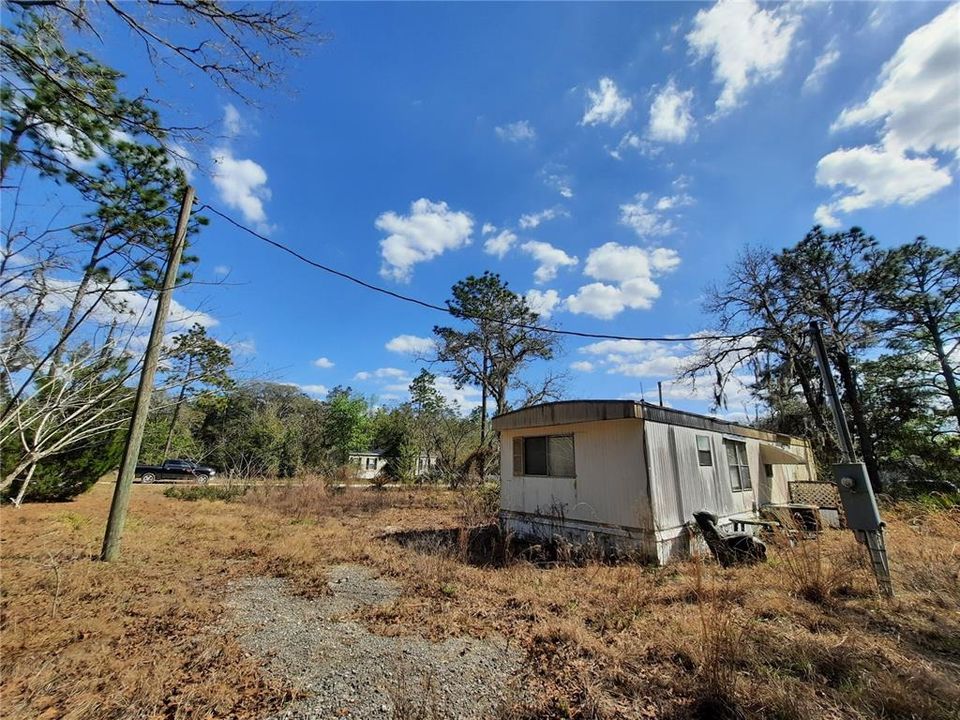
(660,391)
(141,404)
(852,479)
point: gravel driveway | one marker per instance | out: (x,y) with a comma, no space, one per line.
(349,672)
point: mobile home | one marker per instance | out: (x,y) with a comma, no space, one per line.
(632,474)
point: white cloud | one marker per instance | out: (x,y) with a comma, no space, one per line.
(549,258)
(488,228)
(244,347)
(410,344)
(633,268)
(607,105)
(877,176)
(670,117)
(232,123)
(515,132)
(242,185)
(382,374)
(542,302)
(918,93)
(640,358)
(121,305)
(323,363)
(647,217)
(556,178)
(632,141)
(317,390)
(466,397)
(582,365)
(917,104)
(500,244)
(827,59)
(748,44)
(179,157)
(532,220)
(429,230)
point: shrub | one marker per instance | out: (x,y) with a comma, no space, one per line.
(191,493)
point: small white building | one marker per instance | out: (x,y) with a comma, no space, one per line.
(632,474)
(369,463)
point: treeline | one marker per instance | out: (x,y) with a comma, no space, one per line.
(262,429)
(891,319)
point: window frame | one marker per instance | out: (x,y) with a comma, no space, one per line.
(520,455)
(739,472)
(708,451)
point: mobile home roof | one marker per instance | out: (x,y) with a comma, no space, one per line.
(578,411)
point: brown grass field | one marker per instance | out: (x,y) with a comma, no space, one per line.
(801,636)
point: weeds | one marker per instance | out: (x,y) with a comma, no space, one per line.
(192,493)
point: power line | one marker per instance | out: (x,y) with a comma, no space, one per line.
(441,308)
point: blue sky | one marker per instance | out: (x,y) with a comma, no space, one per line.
(610,159)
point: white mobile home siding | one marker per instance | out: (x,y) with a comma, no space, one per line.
(610,490)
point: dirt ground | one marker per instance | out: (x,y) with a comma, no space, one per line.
(289,602)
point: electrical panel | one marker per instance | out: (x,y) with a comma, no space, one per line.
(856,494)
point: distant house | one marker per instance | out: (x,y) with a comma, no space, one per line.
(633,474)
(371,462)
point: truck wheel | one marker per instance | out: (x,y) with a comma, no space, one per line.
(203,479)
(147,478)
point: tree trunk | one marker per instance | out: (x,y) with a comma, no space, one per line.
(75,307)
(173,420)
(948,375)
(859,421)
(23,488)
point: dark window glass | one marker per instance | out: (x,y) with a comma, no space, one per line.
(535,456)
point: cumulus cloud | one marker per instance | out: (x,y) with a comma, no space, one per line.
(516,132)
(549,258)
(826,60)
(670,116)
(542,302)
(429,230)
(385,373)
(607,105)
(316,390)
(488,228)
(500,244)
(632,141)
(648,217)
(916,104)
(241,183)
(532,220)
(633,270)
(122,305)
(410,345)
(746,43)
(582,366)
(323,363)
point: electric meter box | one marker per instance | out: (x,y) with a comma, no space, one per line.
(856,494)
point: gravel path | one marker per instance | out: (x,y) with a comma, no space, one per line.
(348,672)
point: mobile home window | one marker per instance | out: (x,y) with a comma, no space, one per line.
(704,455)
(371,463)
(547,455)
(737,462)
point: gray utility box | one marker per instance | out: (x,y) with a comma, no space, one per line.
(856,494)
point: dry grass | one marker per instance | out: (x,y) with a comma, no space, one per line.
(140,638)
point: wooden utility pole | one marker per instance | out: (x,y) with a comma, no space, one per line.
(141,404)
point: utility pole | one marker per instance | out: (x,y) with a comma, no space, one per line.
(141,404)
(660,391)
(852,479)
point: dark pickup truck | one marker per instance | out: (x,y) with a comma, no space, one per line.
(175,470)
